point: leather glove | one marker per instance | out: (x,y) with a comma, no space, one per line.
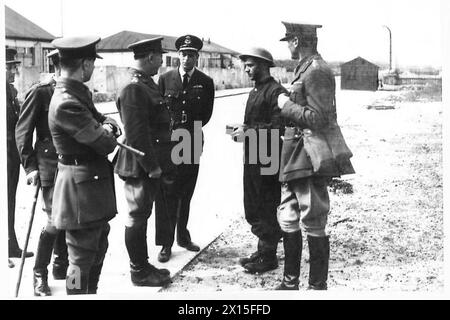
(110,122)
(282,99)
(155,173)
(33,177)
(238,134)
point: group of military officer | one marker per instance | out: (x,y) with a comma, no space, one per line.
(74,140)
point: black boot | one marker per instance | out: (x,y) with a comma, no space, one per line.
(94,277)
(43,256)
(142,273)
(147,275)
(267,259)
(77,280)
(319,254)
(252,258)
(293,244)
(60,262)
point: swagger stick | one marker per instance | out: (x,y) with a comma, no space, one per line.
(136,151)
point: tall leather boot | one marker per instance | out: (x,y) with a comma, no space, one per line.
(142,273)
(94,277)
(319,254)
(77,280)
(267,259)
(293,244)
(43,256)
(60,262)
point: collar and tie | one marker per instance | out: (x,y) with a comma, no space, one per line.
(185,80)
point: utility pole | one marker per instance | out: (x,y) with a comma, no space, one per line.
(390,47)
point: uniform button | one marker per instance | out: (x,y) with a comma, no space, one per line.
(46,150)
(160,102)
(198,98)
(95,177)
(157,140)
(184,102)
(184,92)
(169,95)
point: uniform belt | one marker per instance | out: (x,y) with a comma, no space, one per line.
(75,159)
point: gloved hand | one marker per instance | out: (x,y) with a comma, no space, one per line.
(110,122)
(238,134)
(155,173)
(282,99)
(33,177)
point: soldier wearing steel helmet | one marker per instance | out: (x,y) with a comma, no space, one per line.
(261,191)
(39,163)
(84,197)
(308,111)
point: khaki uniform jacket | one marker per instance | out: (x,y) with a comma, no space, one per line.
(84,192)
(311,106)
(34,115)
(146,122)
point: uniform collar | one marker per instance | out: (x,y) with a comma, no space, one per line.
(77,88)
(182,72)
(141,75)
(305,63)
(76,85)
(263,82)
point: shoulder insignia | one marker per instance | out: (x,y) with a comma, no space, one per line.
(315,63)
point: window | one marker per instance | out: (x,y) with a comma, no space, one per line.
(168,61)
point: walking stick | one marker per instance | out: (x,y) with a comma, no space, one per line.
(30,224)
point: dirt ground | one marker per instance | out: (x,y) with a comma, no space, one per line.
(386,222)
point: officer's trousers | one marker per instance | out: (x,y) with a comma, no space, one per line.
(261,199)
(172,207)
(305,204)
(87,248)
(13,166)
(140,194)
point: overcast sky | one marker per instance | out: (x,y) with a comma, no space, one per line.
(351,28)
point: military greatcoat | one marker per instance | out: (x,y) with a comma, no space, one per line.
(84,189)
(311,106)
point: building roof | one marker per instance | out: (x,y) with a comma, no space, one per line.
(359,60)
(118,43)
(19,27)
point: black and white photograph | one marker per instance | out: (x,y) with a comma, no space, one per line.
(184,150)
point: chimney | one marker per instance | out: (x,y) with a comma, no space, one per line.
(209,41)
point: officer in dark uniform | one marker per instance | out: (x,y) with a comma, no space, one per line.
(13,161)
(261,189)
(40,164)
(146,123)
(309,110)
(190,97)
(84,198)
